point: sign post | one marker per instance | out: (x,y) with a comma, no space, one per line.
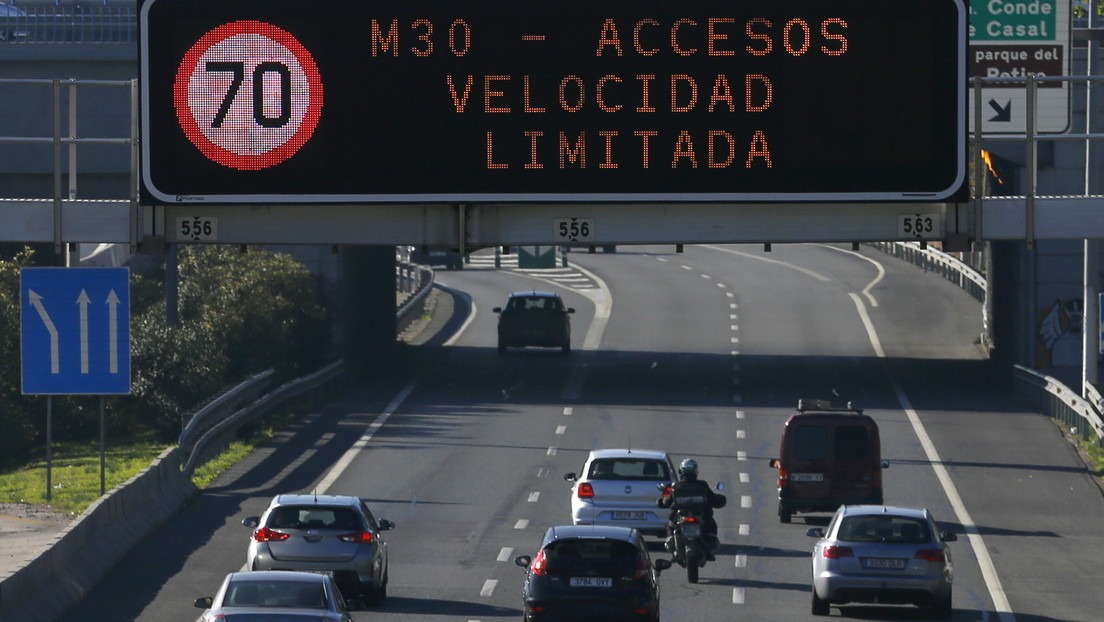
(476,101)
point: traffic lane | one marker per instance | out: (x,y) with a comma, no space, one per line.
(456,466)
(188,556)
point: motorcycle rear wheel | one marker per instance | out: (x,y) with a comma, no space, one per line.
(693,564)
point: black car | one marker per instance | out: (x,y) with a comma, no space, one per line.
(534,319)
(591,573)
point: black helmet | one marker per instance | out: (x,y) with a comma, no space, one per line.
(689,467)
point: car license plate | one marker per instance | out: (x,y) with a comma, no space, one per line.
(630,515)
(691,531)
(806,477)
(882,563)
(591,582)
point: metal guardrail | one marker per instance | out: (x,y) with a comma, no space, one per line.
(221,407)
(940,263)
(219,432)
(29,22)
(1055,399)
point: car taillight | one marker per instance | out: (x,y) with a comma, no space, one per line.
(586,491)
(934,556)
(690,520)
(838,552)
(642,568)
(667,490)
(539,567)
(359,537)
(783,477)
(264,534)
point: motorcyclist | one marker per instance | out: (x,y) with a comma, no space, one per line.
(689,487)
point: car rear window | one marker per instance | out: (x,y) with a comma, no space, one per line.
(604,557)
(629,468)
(852,443)
(881,528)
(810,443)
(535,303)
(299,594)
(312,517)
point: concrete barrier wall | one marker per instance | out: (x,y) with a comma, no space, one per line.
(60,576)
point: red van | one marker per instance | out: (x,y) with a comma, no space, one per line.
(830,456)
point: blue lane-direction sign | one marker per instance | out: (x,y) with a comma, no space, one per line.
(75,331)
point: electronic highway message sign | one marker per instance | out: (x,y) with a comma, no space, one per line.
(328,101)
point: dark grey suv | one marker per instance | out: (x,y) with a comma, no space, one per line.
(332,534)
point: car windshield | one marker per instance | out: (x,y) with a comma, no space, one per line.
(601,557)
(296,594)
(629,468)
(881,528)
(535,303)
(312,517)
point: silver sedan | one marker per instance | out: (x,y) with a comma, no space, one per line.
(290,596)
(884,554)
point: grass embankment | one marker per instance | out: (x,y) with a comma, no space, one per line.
(75,472)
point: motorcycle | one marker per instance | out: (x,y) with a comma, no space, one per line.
(690,545)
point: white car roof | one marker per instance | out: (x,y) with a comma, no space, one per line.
(652,454)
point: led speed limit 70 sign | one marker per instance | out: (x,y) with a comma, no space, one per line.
(314,101)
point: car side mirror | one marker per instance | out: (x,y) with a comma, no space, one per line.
(661,565)
(571,309)
(948,536)
(815,532)
(570,477)
(252,522)
(496,310)
(386,525)
(775,463)
(885,464)
(204,603)
(523,560)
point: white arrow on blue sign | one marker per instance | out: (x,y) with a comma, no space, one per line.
(75,331)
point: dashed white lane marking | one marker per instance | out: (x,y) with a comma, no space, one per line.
(568,411)
(505,553)
(488,588)
(543,472)
(740,414)
(741,561)
(534,497)
(522,523)
(560,429)
(735,352)
(741,456)
(745,530)
(706,276)
(732,316)
(731,295)
(735,340)
(734,326)
(741,433)
(738,594)
(745,501)
(745,478)
(685,267)
(721,285)
(552,451)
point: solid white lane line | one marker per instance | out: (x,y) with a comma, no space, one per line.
(985,562)
(488,588)
(351,453)
(534,497)
(505,553)
(522,523)
(877,265)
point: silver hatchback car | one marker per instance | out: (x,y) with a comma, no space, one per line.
(618,487)
(331,534)
(884,554)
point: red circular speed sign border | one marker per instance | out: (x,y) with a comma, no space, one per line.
(219,154)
